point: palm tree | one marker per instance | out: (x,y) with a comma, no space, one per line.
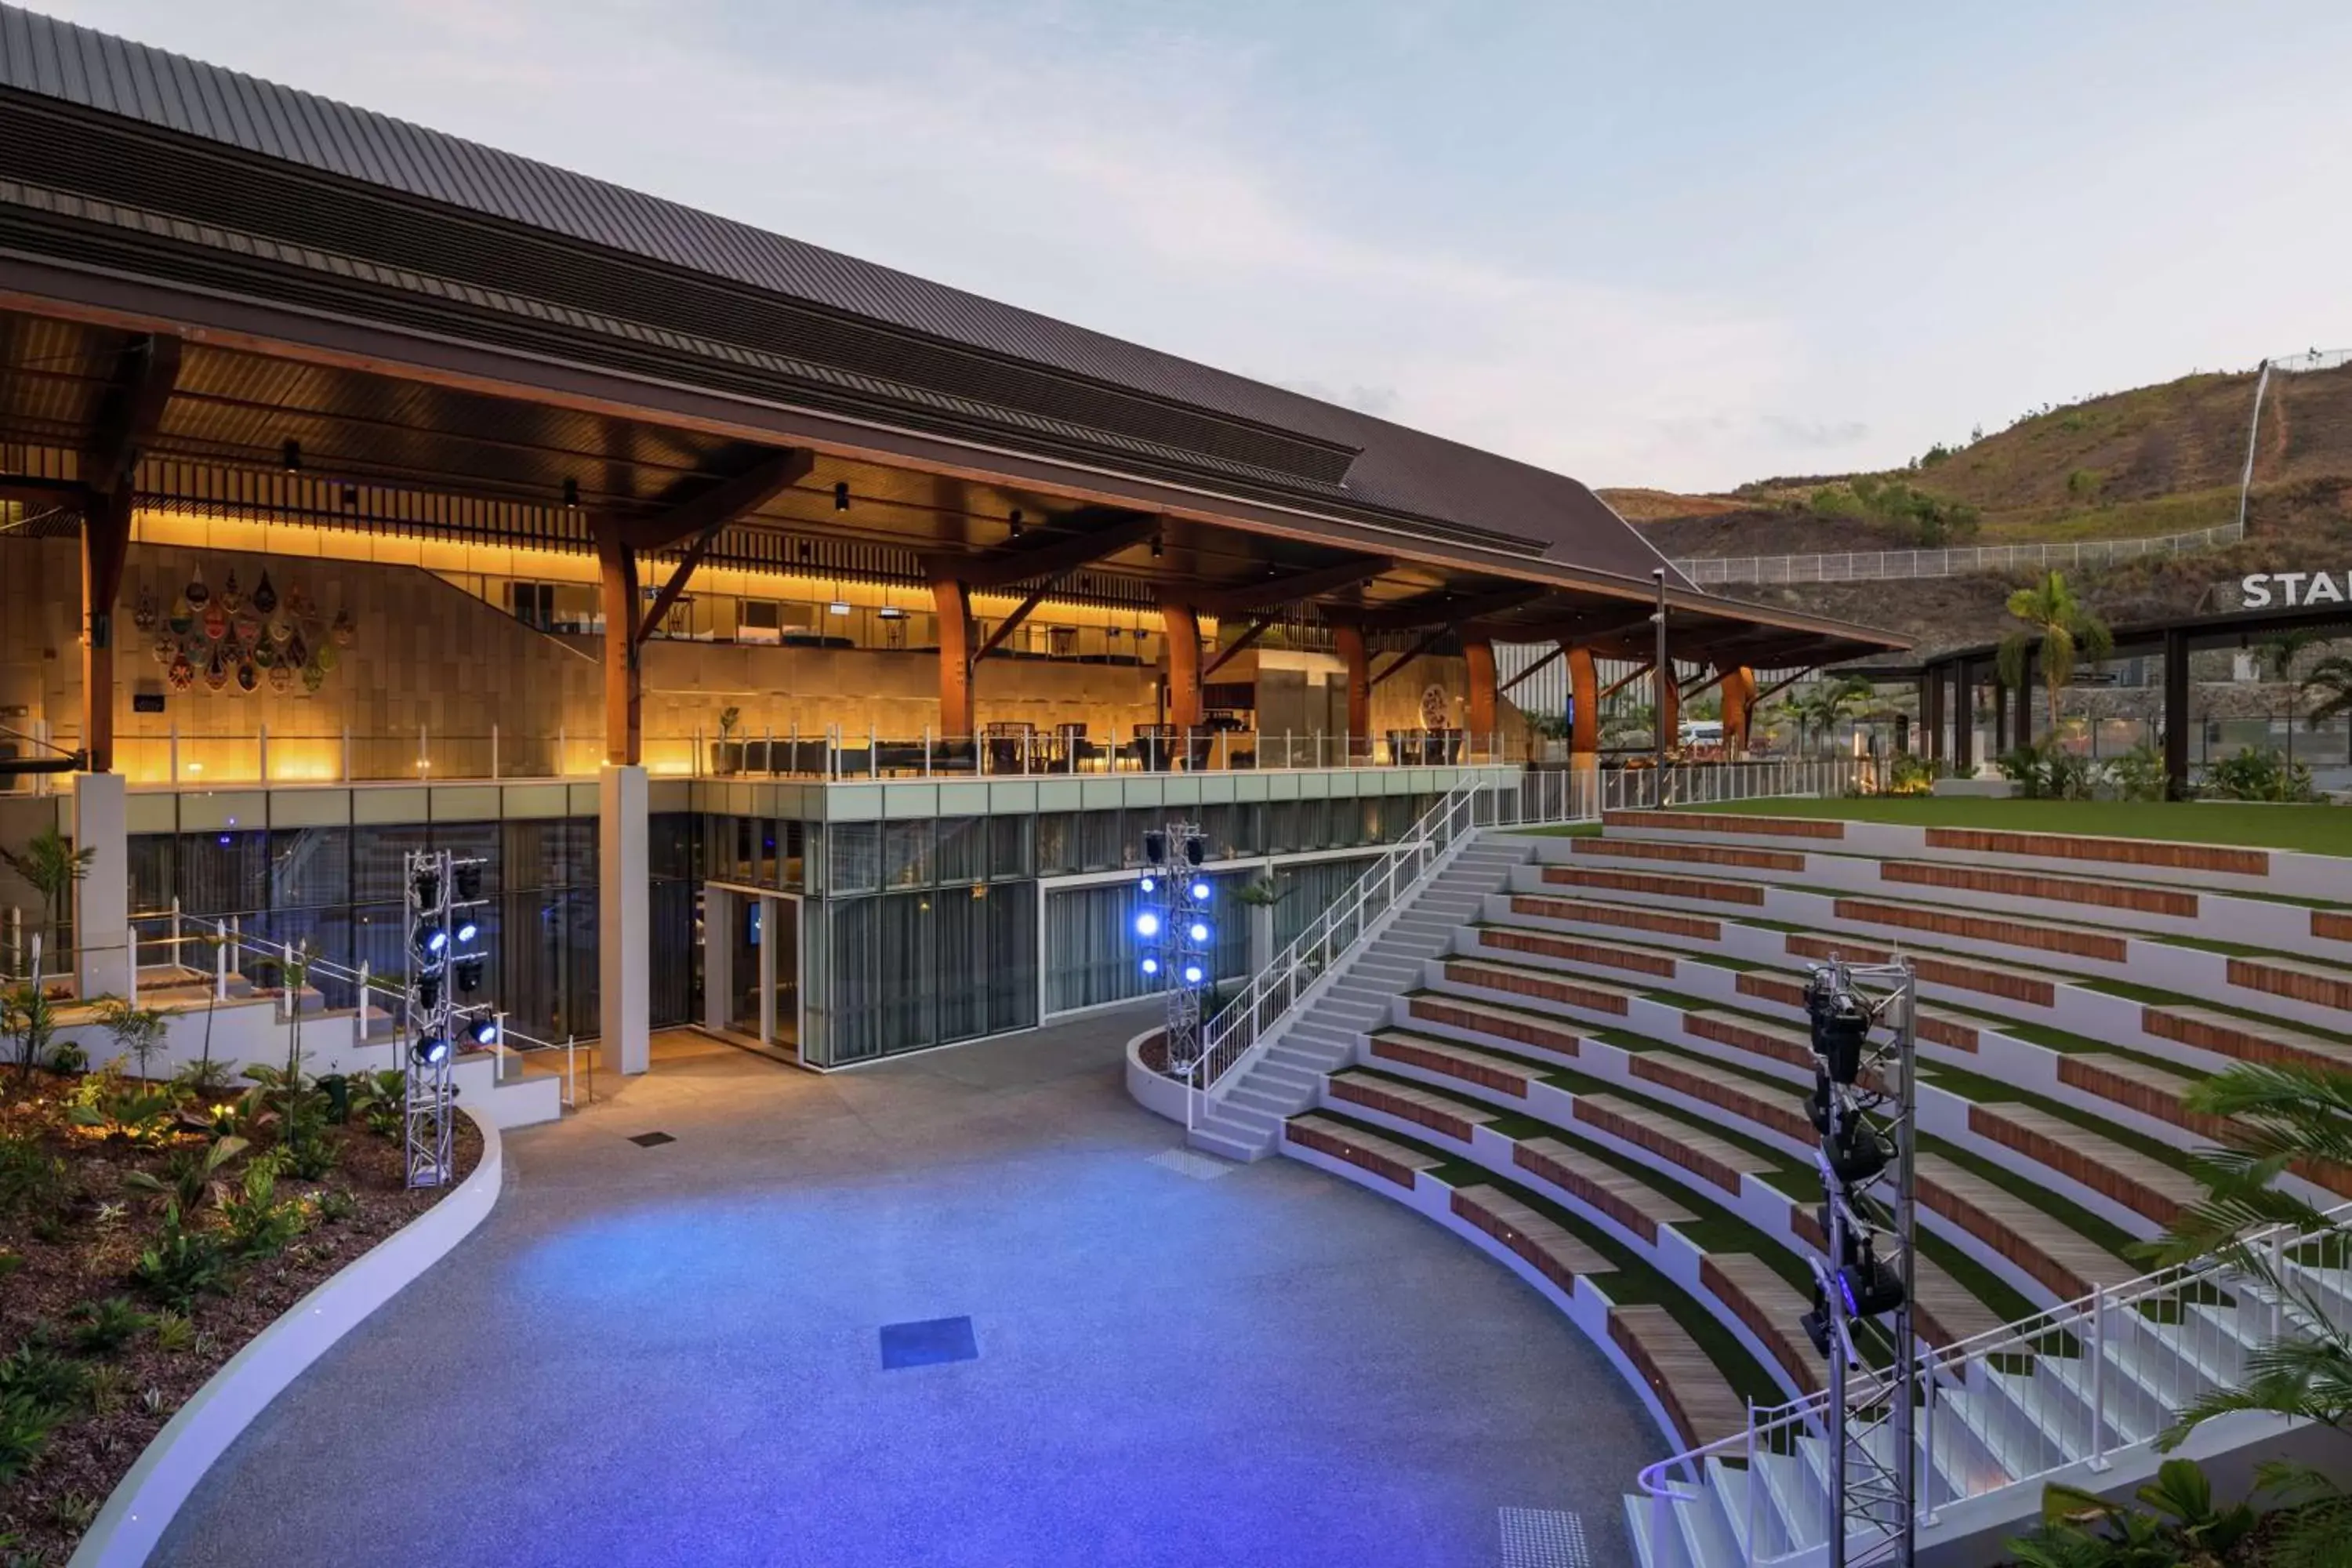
(2057,628)
(2279,652)
(52,865)
(2278,1117)
(1831,702)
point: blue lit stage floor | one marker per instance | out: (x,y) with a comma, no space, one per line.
(667,1354)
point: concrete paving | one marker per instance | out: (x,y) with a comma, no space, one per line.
(670,1355)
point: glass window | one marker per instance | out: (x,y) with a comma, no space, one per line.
(1008,847)
(906,853)
(154,871)
(792,854)
(856,850)
(964,849)
(1101,841)
(224,873)
(310,867)
(1058,843)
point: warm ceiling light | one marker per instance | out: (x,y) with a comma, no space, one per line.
(838,607)
(891,613)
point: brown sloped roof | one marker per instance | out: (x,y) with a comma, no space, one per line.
(1314,448)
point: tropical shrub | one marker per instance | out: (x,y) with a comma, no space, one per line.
(188,1178)
(24,1428)
(103,1328)
(2260,773)
(2043,770)
(2138,774)
(180,1265)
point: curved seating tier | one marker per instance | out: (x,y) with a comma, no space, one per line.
(1599,1076)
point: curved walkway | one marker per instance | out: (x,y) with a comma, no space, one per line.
(669,1355)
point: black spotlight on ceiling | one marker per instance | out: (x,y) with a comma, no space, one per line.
(1015,521)
(1871,1288)
(1195,849)
(841,496)
(424,888)
(1856,1153)
(572,495)
(1816,1323)
(1841,1024)
(291,455)
(1155,847)
(468,974)
(430,1051)
(1156,547)
(467,876)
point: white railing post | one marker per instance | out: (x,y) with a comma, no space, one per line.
(220,961)
(2098,1346)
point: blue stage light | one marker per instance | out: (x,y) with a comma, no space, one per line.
(1151,966)
(1191,974)
(1147,924)
(1200,931)
(1148,884)
(483,1030)
(432,1052)
(1199,892)
(466,930)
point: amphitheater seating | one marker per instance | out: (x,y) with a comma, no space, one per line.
(1611,1046)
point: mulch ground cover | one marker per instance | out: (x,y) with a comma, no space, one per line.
(72,1239)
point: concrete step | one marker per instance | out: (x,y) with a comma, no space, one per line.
(1257,1094)
(1229,1141)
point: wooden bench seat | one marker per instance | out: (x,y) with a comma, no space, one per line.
(1644,962)
(2067,1264)
(1764,1300)
(1539,984)
(1440,1113)
(2035,987)
(1486,1069)
(1630,917)
(1632,1202)
(1950,921)
(1658,885)
(1547,1245)
(2139,898)
(2297,979)
(1643,820)
(1667,1136)
(1537,1031)
(1764,1105)
(1686,1381)
(2140,1182)
(2247,1039)
(1383,1157)
(1690,854)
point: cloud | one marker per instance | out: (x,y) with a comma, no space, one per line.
(1027,153)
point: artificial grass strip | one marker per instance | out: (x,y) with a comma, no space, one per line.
(2309,830)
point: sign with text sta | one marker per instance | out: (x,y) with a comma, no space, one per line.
(2263,589)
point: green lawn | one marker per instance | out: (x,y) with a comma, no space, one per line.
(2317,829)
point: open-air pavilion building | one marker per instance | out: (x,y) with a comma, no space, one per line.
(802,645)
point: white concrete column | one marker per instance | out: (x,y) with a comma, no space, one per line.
(767,972)
(625,927)
(102,902)
(721,911)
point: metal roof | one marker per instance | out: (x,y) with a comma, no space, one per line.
(1386,466)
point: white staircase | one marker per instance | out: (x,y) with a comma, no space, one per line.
(1242,1118)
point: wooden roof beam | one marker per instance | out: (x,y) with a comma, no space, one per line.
(1244,597)
(1448,609)
(1051,557)
(132,410)
(708,510)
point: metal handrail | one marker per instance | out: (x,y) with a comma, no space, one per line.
(2086,1319)
(1879,565)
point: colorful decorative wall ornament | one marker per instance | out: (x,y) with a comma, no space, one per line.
(238,639)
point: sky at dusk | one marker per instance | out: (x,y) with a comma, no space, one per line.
(1675,245)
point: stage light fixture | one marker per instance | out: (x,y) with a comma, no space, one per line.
(291,456)
(1149,882)
(1871,1288)
(1201,892)
(1147,924)
(429,939)
(429,991)
(424,888)
(841,496)
(483,1030)
(572,495)
(468,880)
(431,1051)
(1857,1154)
(1195,849)
(1151,966)
(470,974)
(1199,931)
(1155,847)
(466,929)
(1816,1323)
(1817,1105)
(1015,521)
(1191,974)
(1155,547)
